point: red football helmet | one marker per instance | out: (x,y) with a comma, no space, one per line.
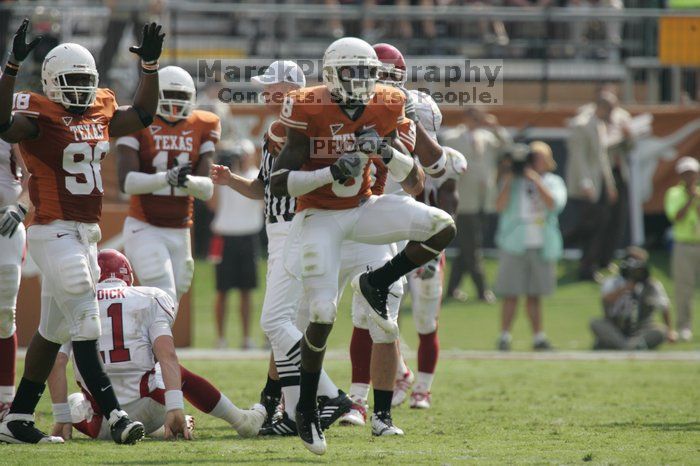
(393,64)
(114,264)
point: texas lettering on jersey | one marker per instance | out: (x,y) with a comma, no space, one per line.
(331,132)
(64,160)
(160,147)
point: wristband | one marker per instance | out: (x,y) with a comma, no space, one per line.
(436,167)
(149,67)
(11,69)
(173,400)
(61,413)
(400,165)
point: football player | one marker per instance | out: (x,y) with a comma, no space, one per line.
(164,167)
(63,135)
(332,132)
(282,291)
(13,205)
(140,319)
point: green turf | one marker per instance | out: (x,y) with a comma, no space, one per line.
(462,326)
(485,412)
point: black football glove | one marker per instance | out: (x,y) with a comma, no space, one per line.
(10,218)
(20,47)
(151,44)
(177,176)
(347,166)
(369,142)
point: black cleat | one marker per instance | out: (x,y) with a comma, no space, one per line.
(124,431)
(271,404)
(282,427)
(310,432)
(19,428)
(330,409)
(376,299)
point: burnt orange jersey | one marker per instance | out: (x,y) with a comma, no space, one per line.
(158,147)
(64,159)
(332,132)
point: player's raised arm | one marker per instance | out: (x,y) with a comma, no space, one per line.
(140,115)
(18,127)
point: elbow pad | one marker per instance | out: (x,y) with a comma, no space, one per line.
(145,117)
(200,187)
(144,183)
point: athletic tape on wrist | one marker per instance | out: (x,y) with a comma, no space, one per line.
(438,166)
(61,413)
(149,67)
(173,400)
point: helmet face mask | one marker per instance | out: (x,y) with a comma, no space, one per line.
(177,94)
(69,77)
(350,70)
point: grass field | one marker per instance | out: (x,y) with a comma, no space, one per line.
(485,411)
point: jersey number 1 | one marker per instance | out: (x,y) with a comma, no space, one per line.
(118,353)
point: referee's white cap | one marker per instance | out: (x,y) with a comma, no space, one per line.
(281,71)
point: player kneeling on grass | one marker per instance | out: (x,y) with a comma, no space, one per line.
(140,319)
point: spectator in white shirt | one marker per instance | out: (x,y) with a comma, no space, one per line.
(236,226)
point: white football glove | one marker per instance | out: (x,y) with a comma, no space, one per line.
(11,217)
(177,176)
(348,166)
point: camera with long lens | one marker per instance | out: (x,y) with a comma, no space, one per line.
(520,158)
(635,270)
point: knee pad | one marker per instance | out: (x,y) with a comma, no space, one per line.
(440,220)
(87,327)
(185,278)
(379,335)
(7,323)
(322,311)
(76,276)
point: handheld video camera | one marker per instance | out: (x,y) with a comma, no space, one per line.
(520,158)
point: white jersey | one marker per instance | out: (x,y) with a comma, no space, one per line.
(132,317)
(10,176)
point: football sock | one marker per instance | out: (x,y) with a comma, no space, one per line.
(359,391)
(388,273)
(326,387)
(199,391)
(8,352)
(360,356)
(428,350)
(308,389)
(424,381)
(229,412)
(89,364)
(27,397)
(382,400)
(273,388)
(288,370)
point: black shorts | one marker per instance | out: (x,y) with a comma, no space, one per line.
(239,266)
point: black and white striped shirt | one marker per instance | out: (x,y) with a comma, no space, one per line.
(275,207)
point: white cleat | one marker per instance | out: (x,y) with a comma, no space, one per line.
(383,425)
(19,428)
(401,387)
(686,334)
(420,400)
(253,420)
(357,416)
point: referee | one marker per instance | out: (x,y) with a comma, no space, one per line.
(283,292)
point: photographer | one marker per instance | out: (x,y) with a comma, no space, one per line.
(528,236)
(629,302)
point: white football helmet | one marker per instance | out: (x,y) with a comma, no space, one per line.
(69,76)
(427,111)
(172,79)
(350,68)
